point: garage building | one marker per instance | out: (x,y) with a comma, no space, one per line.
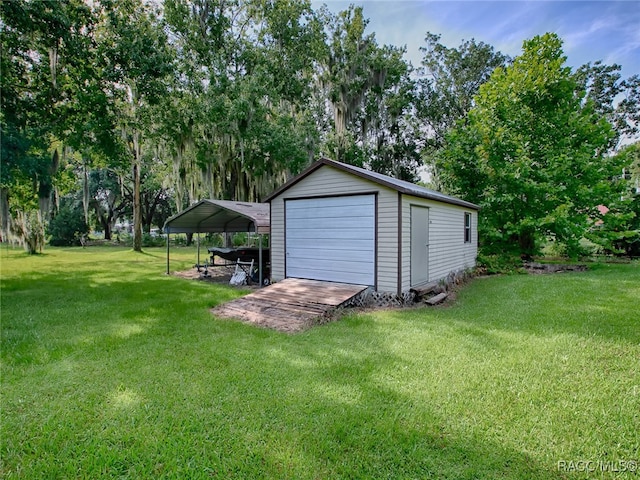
(339,223)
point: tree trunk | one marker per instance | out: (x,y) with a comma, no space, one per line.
(527,243)
(137,211)
(4,215)
(85,190)
(107,230)
(103,221)
(108,221)
(149,210)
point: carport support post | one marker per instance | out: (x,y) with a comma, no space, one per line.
(260,259)
(168,251)
(198,258)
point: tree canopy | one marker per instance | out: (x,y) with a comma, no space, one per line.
(532,153)
(138,109)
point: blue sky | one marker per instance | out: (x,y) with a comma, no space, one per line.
(591,30)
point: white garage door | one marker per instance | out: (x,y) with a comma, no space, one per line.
(331,239)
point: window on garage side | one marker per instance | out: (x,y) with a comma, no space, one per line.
(467,227)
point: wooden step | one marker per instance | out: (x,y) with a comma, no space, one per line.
(437,299)
(424,289)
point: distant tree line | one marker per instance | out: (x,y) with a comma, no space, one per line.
(132,109)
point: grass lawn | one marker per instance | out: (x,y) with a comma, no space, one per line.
(111,369)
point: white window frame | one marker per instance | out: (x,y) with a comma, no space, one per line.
(467,227)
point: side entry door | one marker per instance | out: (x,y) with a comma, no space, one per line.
(419,245)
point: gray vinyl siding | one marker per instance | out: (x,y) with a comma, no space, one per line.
(328,181)
(448,251)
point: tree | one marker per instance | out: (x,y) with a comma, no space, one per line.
(365,98)
(616,99)
(532,154)
(450,79)
(108,198)
(42,53)
(239,117)
(388,131)
(618,230)
(155,194)
(348,74)
(139,61)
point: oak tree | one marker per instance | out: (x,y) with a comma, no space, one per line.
(532,153)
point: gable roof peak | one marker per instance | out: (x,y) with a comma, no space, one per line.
(401,186)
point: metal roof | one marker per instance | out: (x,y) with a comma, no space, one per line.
(221,216)
(402,186)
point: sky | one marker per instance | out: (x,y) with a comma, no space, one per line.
(591,30)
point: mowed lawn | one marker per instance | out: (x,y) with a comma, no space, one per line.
(111,369)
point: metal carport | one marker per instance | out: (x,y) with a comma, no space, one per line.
(221,216)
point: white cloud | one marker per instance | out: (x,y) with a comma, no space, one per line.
(591,30)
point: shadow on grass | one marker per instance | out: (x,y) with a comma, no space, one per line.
(119,372)
(320,398)
(147,384)
(46,315)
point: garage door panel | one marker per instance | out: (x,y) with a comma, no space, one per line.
(327,211)
(330,245)
(334,223)
(331,239)
(329,234)
(330,249)
(329,255)
(335,273)
(331,265)
(329,202)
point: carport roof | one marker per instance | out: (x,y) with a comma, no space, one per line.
(209,216)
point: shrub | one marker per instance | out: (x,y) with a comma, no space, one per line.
(494,263)
(68,226)
(149,240)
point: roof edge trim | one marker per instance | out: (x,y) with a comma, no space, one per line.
(375,178)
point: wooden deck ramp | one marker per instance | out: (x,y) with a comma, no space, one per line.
(291,305)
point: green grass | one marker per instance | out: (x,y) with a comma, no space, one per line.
(111,369)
